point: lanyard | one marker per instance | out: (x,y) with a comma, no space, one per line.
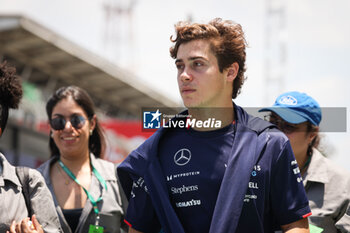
(99,177)
(307,163)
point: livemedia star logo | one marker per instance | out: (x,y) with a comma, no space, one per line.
(151,120)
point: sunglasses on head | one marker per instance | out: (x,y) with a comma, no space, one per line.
(59,123)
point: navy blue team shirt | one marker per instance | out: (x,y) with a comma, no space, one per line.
(193,165)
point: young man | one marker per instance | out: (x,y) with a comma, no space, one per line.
(14,209)
(241,177)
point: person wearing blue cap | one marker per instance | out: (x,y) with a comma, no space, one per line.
(327,185)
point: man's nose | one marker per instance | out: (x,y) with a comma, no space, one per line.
(186,76)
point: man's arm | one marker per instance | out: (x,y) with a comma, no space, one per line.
(289,200)
(300,226)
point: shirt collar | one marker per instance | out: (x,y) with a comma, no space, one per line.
(8,172)
(317,171)
(46,170)
(105,173)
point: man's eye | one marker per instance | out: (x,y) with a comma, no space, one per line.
(198,64)
(179,66)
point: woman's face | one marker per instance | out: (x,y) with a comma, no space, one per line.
(299,139)
(73,139)
(297,134)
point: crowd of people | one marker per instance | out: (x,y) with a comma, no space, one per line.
(245,175)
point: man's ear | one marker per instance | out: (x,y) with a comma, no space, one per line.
(232,72)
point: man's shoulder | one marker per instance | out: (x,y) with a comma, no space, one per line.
(30,177)
(149,144)
(261,126)
(275,141)
(251,122)
(139,159)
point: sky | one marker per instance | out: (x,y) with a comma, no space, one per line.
(316,35)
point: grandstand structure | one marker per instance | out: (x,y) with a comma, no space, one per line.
(47,61)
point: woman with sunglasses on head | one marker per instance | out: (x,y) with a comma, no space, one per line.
(327,185)
(85,188)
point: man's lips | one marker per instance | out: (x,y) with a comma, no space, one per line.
(187,90)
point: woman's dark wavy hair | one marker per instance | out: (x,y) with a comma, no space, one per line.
(10,92)
(227,43)
(315,143)
(97,142)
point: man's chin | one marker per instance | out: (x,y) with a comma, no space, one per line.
(191,105)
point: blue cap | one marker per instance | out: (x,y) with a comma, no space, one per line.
(296,107)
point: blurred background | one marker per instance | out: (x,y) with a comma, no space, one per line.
(118,50)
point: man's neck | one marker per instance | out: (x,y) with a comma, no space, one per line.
(223,114)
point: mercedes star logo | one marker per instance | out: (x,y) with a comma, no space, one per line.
(182,157)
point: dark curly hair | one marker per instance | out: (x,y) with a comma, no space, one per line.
(227,43)
(97,142)
(10,92)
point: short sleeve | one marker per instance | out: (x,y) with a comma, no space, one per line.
(288,197)
(123,203)
(140,214)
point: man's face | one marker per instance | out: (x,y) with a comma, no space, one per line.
(201,84)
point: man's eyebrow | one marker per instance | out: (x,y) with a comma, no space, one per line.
(191,59)
(198,57)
